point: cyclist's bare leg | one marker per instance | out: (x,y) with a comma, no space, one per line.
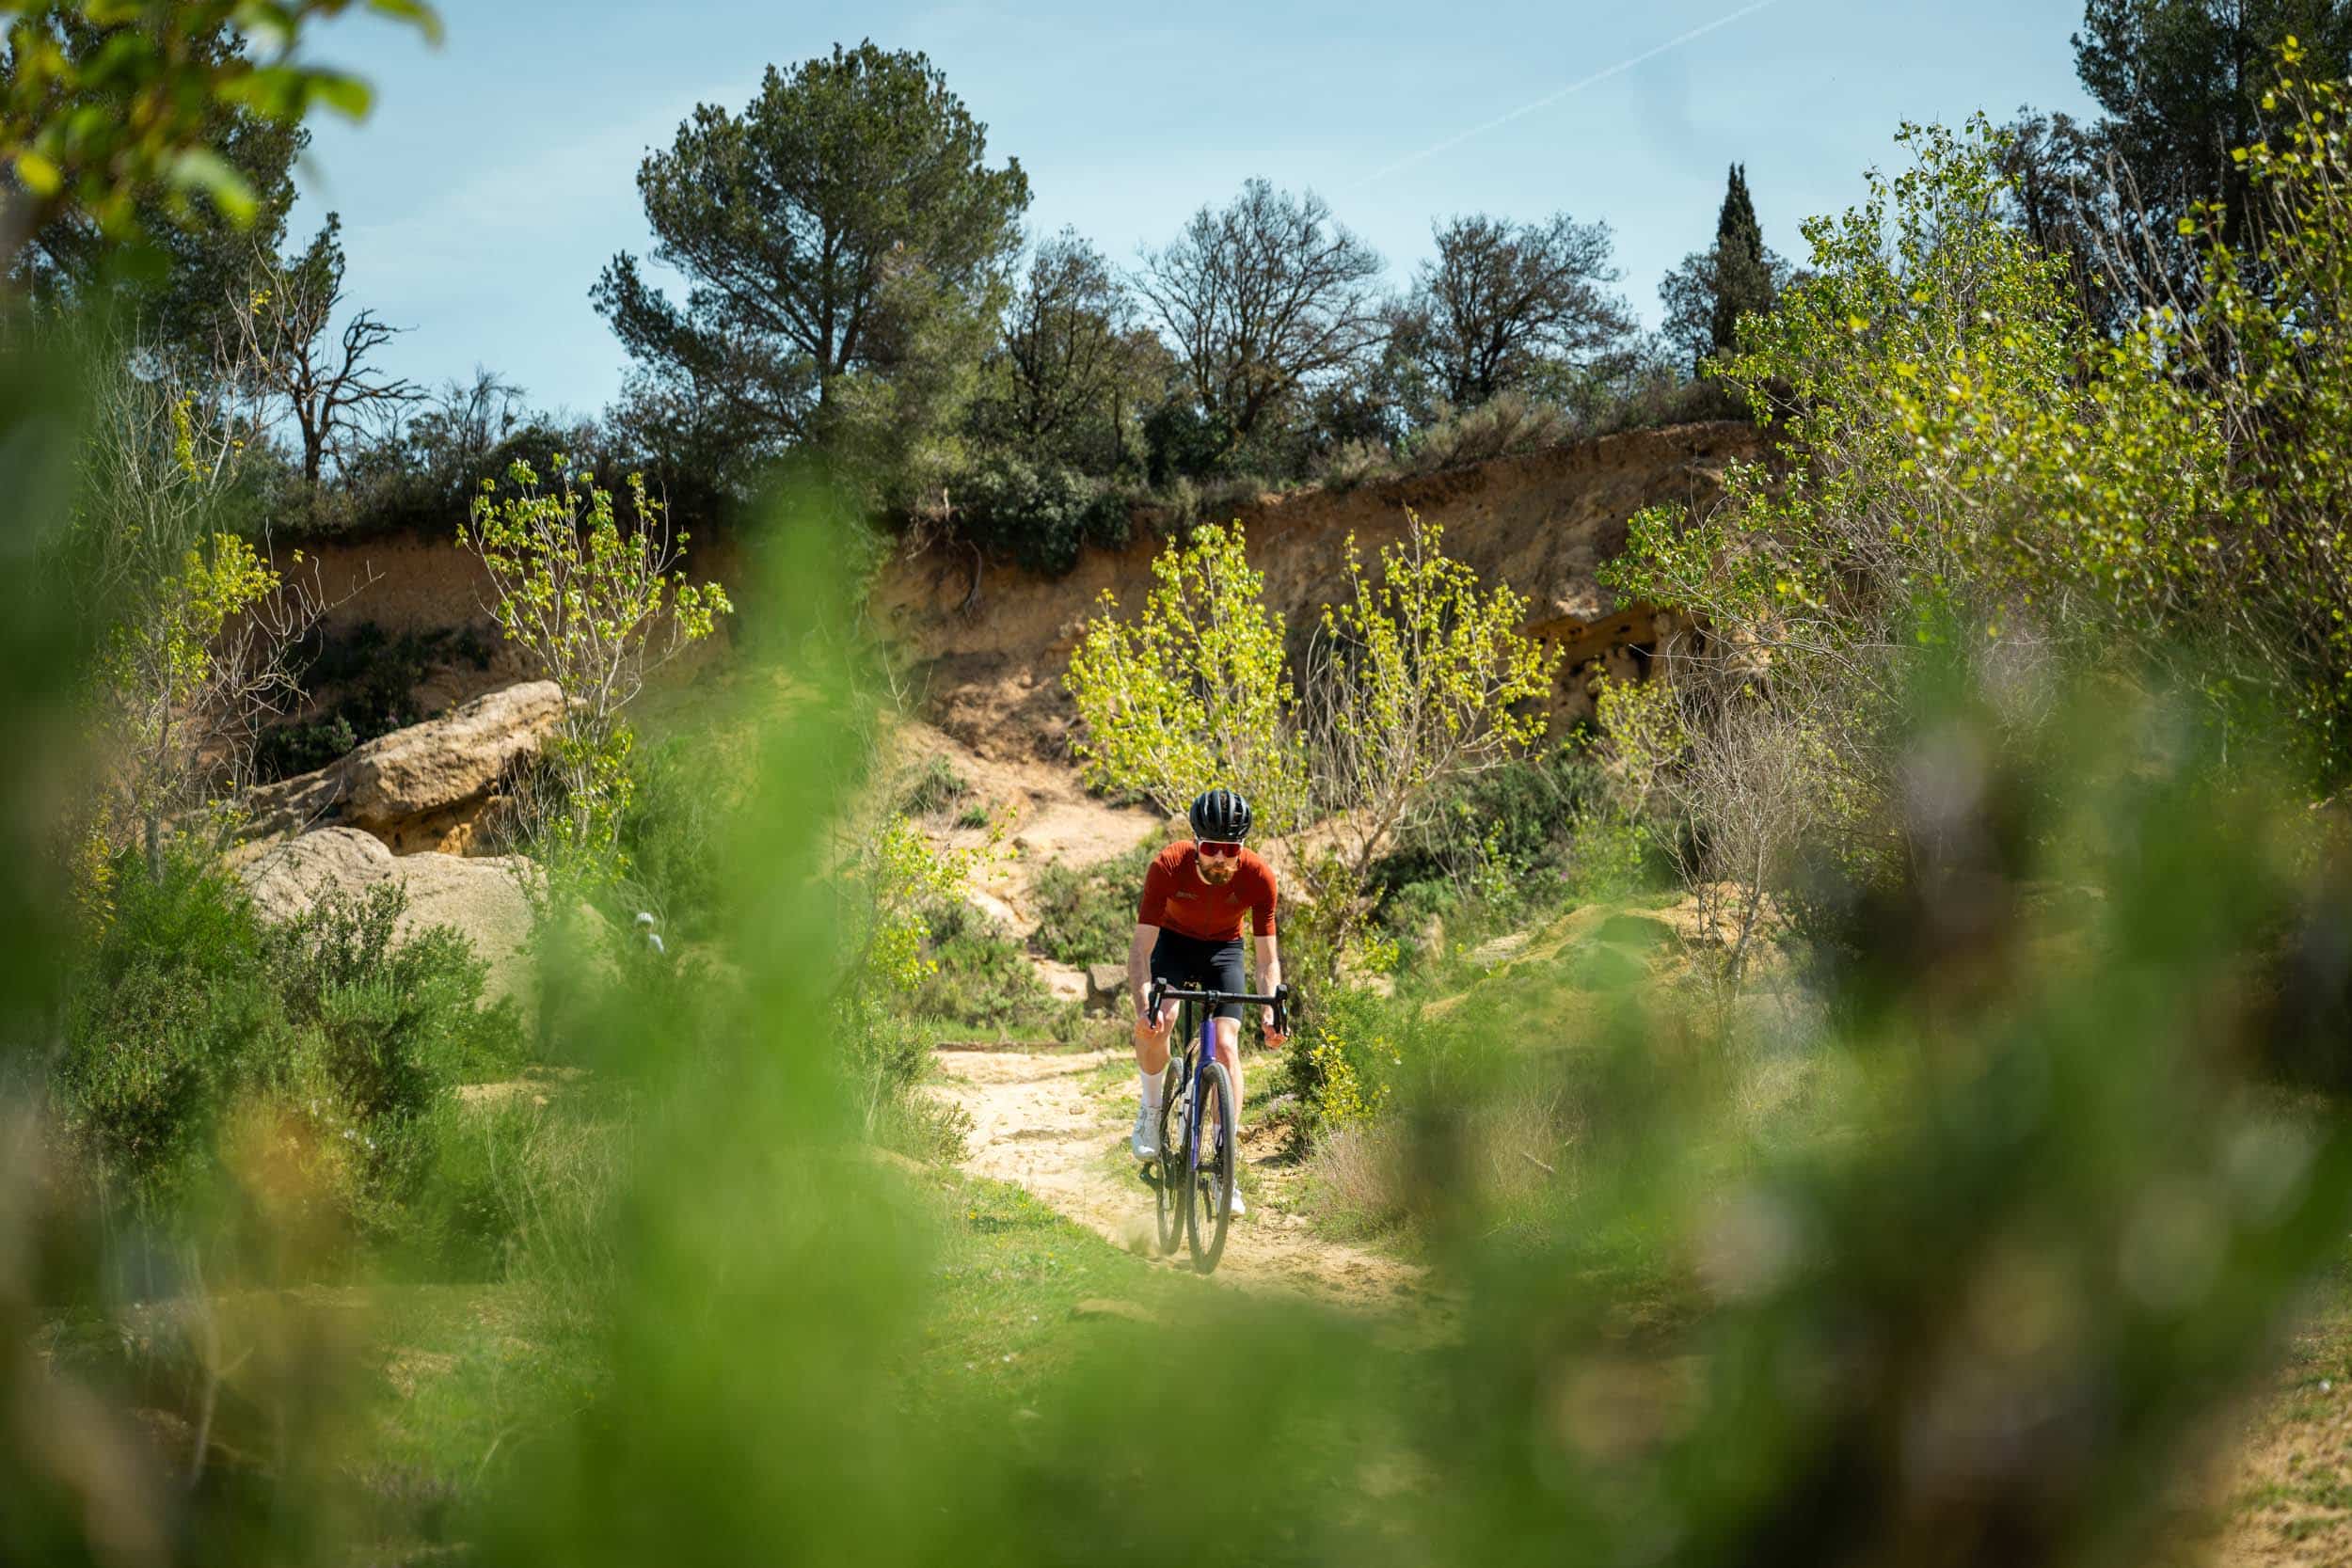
(1151,1046)
(1228,1052)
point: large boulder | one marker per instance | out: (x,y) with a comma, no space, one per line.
(421,789)
(487,898)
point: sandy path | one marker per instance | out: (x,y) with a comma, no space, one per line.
(1039,1120)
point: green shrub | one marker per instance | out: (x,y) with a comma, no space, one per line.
(184,1006)
(1344,1055)
(1496,846)
(934,787)
(1039,516)
(983,978)
(1086,914)
(168,1010)
(396,1017)
(1357,462)
(287,750)
(1505,424)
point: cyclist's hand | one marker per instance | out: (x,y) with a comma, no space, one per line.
(1275,1036)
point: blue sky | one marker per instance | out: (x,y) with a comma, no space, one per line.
(497,174)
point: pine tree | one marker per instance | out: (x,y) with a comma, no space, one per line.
(1743,277)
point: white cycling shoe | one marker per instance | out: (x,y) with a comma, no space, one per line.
(1145,1143)
(1236,1209)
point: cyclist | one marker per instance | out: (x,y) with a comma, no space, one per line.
(1188,933)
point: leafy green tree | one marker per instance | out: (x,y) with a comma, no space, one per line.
(853,191)
(899,424)
(2183,82)
(194,262)
(110,114)
(192,626)
(1743,277)
(1071,371)
(1500,299)
(1706,296)
(2061,192)
(1417,678)
(1261,302)
(595,607)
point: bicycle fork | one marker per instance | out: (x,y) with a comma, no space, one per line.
(1200,1087)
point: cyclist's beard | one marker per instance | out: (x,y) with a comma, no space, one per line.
(1219,871)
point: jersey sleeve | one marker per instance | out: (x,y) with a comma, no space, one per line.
(1157,879)
(1263,908)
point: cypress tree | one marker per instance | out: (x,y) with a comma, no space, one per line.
(1743,280)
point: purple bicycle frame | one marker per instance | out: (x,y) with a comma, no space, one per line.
(1200,1082)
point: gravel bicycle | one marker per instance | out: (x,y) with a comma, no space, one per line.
(1192,1184)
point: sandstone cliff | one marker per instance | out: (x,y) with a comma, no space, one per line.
(1545,523)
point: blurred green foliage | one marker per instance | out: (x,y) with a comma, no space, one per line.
(1959,1248)
(184,1011)
(100,132)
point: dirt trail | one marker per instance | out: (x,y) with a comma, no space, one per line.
(1045,1121)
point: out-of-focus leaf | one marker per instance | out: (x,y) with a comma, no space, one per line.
(346,95)
(424,17)
(199,168)
(39,175)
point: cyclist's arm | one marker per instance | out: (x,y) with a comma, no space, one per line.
(1270,972)
(1139,965)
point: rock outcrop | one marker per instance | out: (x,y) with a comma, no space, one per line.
(487,897)
(422,789)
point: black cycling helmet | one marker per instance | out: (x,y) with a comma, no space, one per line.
(1220,817)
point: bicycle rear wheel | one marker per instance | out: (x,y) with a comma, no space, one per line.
(1209,1191)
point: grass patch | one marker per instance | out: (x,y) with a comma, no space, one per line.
(461,1381)
(1005,1321)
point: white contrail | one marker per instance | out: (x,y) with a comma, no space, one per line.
(1571,89)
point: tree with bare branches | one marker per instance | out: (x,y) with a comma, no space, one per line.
(285,322)
(1500,299)
(1262,300)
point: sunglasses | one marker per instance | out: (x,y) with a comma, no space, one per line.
(1218,851)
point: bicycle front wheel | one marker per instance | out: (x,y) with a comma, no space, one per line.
(1169,1194)
(1210,1188)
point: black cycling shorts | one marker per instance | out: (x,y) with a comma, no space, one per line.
(1192,964)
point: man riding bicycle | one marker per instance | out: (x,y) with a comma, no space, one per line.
(1189,933)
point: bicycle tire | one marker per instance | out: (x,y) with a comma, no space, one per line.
(1209,1193)
(1168,1193)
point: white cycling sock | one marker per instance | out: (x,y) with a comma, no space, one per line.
(1150,1086)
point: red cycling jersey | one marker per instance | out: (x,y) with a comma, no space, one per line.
(1176,897)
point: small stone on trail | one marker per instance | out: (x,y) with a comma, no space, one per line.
(1104,1306)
